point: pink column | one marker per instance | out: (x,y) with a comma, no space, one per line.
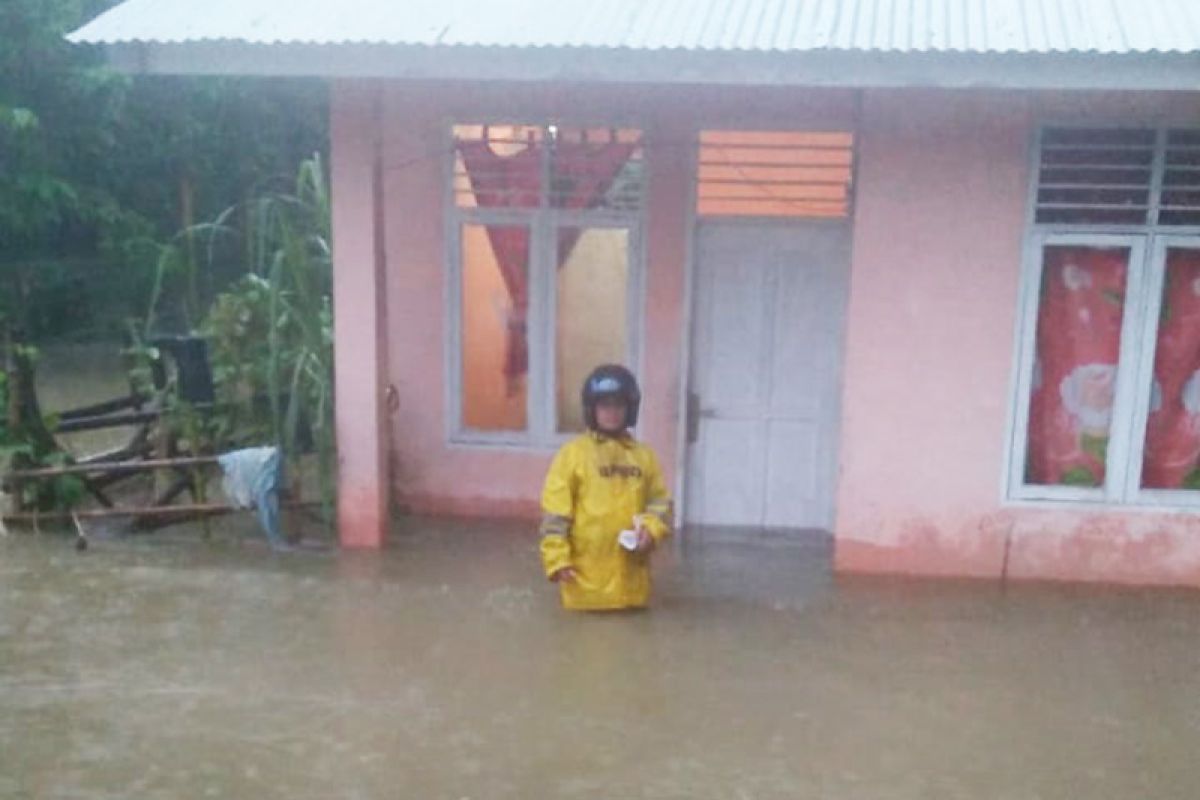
(360,344)
(670,168)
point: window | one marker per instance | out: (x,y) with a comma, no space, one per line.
(1108,405)
(775,174)
(545,261)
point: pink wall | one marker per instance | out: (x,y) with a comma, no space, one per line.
(939,225)
(360,348)
(430,475)
(942,193)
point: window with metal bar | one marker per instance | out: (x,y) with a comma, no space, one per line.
(1108,401)
(1118,176)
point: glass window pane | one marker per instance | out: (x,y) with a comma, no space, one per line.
(592,283)
(497,166)
(495,285)
(1075,372)
(595,169)
(1173,429)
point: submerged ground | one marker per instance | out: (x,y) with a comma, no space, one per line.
(172,666)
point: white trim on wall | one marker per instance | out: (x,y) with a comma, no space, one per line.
(692,231)
(688,317)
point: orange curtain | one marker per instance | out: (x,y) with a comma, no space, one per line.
(582,174)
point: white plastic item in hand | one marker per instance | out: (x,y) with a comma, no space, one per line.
(628,540)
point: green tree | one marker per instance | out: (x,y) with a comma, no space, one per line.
(97,167)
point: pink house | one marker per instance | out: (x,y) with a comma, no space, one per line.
(925,276)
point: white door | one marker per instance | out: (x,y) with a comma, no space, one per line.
(765,378)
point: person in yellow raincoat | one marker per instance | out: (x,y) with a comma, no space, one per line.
(602,483)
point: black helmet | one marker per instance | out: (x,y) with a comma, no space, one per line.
(611,380)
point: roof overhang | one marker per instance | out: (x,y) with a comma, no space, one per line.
(820,68)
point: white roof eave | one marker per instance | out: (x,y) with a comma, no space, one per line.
(815,68)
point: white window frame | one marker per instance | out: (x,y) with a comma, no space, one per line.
(541,325)
(1155,498)
(1131,316)
(1148,246)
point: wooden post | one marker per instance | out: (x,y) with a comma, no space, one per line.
(12,412)
(23,412)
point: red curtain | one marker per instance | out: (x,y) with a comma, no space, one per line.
(1078,343)
(1173,429)
(582,173)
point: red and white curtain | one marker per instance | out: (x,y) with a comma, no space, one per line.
(585,172)
(1173,430)
(1078,344)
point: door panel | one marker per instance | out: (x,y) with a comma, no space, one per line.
(766,358)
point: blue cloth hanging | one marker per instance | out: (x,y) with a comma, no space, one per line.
(253,479)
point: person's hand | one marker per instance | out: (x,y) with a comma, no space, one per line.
(645,541)
(564,575)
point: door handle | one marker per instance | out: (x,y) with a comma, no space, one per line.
(693,417)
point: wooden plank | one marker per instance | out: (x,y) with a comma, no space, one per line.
(106,421)
(164,511)
(112,466)
(107,407)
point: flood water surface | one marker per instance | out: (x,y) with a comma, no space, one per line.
(170,666)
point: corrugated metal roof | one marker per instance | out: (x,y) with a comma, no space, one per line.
(965,26)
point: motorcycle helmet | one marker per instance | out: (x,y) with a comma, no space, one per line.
(611,380)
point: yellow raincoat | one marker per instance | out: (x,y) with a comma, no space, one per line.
(594,489)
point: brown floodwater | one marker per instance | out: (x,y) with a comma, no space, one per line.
(170,665)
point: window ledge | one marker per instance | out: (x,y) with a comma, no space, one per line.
(466,441)
(1191,505)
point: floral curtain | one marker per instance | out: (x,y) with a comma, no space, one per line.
(1173,429)
(1078,344)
